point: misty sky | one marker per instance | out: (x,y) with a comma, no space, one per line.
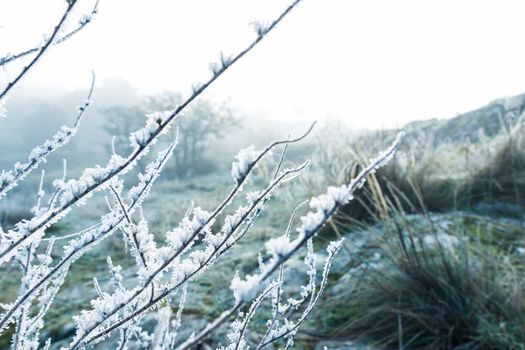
(372,63)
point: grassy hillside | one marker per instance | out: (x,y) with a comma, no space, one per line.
(434,252)
(436,241)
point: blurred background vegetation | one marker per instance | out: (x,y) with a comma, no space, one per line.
(434,255)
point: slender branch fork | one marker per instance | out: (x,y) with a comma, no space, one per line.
(219,209)
(225,316)
(352,187)
(33,163)
(43,281)
(355,184)
(81,25)
(52,215)
(69,258)
(41,51)
(218,250)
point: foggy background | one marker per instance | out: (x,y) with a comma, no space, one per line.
(373,64)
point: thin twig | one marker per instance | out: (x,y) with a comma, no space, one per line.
(81,24)
(140,149)
(47,44)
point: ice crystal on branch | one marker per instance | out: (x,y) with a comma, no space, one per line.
(279,246)
(38,155)
(245,159)
(154,122)
(245,289)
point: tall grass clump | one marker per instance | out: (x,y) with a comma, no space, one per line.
(483,164)
(430,295)
(432,274)
(502,177)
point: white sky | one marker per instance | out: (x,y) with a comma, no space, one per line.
(373,63)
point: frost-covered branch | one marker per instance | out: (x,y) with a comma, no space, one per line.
(70,5)
(163,270)
(289,329)
(239,327)
(183,270)
(39,154)
(86,240)
(113,220)
(77,191)
(210,327)
(282,248)
(83,22)
(225,316)
(325,206)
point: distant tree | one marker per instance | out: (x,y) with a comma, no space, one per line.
(119,122)
(203,122)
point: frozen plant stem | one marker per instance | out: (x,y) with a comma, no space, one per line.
(55,214)
(102,233)
(217,251)
(47,44)
(164,270)
(338,197)
(9,179)
(82,23)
